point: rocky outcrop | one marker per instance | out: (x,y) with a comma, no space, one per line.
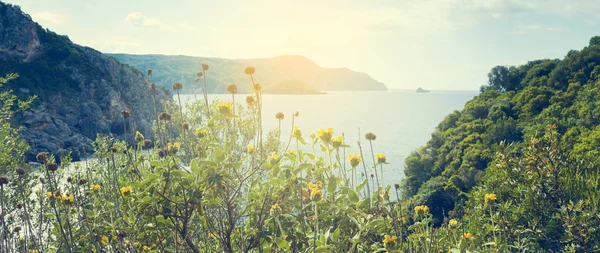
(269,71)
(81,91)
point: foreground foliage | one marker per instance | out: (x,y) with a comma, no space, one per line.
(211,182)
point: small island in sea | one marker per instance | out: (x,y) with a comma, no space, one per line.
(421,90)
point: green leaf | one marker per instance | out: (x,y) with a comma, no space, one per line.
(332,185)
(282,243)
(352,196)
(336,234)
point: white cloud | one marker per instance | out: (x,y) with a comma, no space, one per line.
(138,19)
(118,44)
(49,18)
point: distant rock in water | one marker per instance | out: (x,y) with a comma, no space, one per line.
(269,71)
(81,91)
(421,90)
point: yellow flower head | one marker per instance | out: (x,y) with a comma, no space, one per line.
(225,107)
(380,158)
(145,248)
(337,141)
(297,133)
(315,190)
(212,235)
(292,152)
(453,223)
(273,158)
(387,239)
(126,190)
(49,194)
(354,160)
(276,205)
(173,148)
(250,149)
(33,251)
(104,240)
(325,135)
(201,132)
(490,197)
(95,187)
(420,210)
(316,194)
(138,136)
(467,236)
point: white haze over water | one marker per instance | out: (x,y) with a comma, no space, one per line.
(402,120)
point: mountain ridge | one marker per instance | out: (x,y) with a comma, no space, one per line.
(182,68)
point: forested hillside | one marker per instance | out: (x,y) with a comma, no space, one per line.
(519,103)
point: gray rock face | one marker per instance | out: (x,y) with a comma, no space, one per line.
(81,92)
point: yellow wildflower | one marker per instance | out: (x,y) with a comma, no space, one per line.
(490,197)
(211,235)
(49,194)
(316,194)
(126,190)
(250,149)
(95,187)
(104,240)
(380,158)
(145,248)
(273,158)
(138,136)
(453,222)
(387,239)
(201,132)
(292,152)
(225,107)
(420,210)
(337,141)
(325,135)
(296,132)
(354,160)
(467,236)
(33,251)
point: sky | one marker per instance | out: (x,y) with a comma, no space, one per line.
(434,44)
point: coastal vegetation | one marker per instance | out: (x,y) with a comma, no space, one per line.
(210,181)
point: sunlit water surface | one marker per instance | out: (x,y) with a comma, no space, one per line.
(402,120)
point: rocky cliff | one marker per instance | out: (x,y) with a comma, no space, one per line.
(269,71)
(81,91)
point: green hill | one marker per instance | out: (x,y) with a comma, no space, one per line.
(270,71)
(518,103)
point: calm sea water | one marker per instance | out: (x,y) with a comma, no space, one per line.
(402,120)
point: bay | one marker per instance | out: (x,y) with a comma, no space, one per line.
(402,120)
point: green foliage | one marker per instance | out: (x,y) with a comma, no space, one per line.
(12,148)
(518,103)
(210,182)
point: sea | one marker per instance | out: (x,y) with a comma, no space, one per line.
(402,120)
